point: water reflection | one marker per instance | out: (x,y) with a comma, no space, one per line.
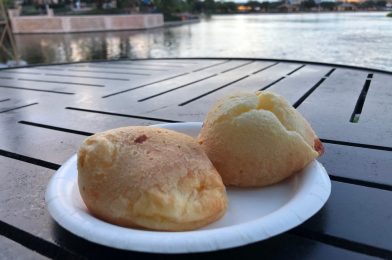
(362,39)
(54,48)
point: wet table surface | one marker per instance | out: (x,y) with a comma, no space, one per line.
(47,111)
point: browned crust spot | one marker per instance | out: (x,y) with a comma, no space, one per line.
(318,146)
(140,139)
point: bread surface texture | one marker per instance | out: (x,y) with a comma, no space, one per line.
(257,139)
(149,178)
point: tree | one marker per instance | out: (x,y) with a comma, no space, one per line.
(99,4)
(169,7)
(254,5)
(9,4)
(209,6)
(127,4)
(265,6)
(226,7)
(193,6)
(308,4)
(381,3)
(275,5)
(368,4)
(328,5)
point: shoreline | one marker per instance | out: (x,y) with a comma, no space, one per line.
(179,23)
(305,12)
(37,24)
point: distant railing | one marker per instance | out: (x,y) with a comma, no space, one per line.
(82,23)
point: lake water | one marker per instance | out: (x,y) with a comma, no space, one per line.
(361,39)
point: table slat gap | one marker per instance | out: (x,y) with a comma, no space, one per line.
(265,68)
(210,66)
(369,146)
(87,77)
(361,100)
(272,83)
(111,72)
(281,78)
(28,159)
(61,82)
(19,107)
(123,115)
(237,67)
(127,68)
(56,128)
(212,91)
(144,85)
(295,70)
(150,65)
(35,243)
(21,72)
(173,89)
(48,68)
(343,243)
(361,182)
(39,90)
(312,89)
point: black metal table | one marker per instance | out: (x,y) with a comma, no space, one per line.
(47,111)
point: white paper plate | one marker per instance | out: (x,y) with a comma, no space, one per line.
(253,214)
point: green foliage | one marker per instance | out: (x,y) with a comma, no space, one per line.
(99,4)
(127,4)
(9,4)
(195,6)
(328,5)
(265,6)
(368,4)
(226,7)
(389,15)
(253,4)
(308,4)
(198,6)
(209,6)
(373,4)
(169,8)
(60,8)
(381,3)
(30,10)
(274,5)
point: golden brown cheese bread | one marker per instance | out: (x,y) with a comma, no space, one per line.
(151,178)
(257,139)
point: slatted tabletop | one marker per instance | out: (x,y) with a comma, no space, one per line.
(47,111)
